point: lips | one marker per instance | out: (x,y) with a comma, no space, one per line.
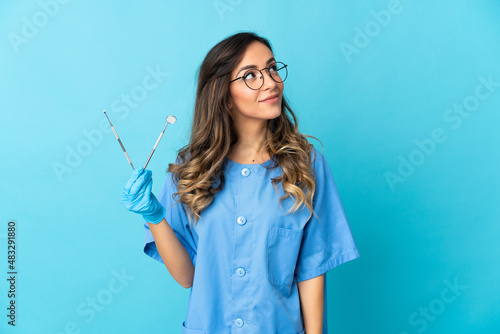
(270,97)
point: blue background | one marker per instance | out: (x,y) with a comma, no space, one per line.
(436,226)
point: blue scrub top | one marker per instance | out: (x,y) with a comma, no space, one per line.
(248,255)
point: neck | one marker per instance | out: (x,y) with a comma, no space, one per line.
(250,145)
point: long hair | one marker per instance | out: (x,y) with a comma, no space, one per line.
(199,164)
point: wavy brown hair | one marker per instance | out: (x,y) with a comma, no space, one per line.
(199,164)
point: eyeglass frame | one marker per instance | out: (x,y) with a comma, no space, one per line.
(262,75)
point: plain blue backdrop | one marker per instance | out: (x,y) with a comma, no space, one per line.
(404,95)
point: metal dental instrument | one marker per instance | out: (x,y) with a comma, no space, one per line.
(119,141)
(170,120)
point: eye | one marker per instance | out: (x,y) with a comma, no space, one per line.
(273,67)
(252,74)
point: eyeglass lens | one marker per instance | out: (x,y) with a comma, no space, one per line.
(255,80)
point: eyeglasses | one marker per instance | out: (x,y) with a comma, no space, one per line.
(278,72)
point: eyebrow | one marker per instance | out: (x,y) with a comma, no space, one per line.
(254,66)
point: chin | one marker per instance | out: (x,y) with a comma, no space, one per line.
(276,113)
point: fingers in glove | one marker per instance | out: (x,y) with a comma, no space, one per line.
(136,182)
(135,174)
(142,183)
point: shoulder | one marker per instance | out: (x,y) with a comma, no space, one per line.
(315,153)
(317,158)
(170,186)
(182,156)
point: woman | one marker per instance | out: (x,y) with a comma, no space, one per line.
(268,221)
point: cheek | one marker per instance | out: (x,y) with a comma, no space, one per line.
(243,97)
(281,87)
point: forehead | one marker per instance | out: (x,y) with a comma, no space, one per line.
(256,54)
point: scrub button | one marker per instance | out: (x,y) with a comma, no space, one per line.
(240,272)
(241,220)
(238,322)
(245,172)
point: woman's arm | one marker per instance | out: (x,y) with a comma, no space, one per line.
(311,294)
(174,255)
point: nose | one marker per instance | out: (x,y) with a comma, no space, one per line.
(268,81)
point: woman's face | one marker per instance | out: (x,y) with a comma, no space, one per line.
(247,105)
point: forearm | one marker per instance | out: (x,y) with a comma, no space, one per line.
(174,255)
(311,294)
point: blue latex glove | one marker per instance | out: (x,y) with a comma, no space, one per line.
(137,197)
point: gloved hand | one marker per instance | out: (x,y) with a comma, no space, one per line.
(137,197)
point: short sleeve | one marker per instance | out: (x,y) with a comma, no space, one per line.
(327,242)
(177,219)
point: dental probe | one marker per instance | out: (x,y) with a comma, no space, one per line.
(119,141)
(170,120)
